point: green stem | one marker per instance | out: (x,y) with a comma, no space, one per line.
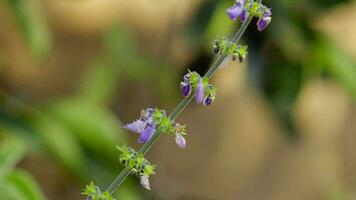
(181,106)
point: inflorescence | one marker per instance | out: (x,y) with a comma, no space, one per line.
(246,8)
(137,164)
(155,121)
(204,92)
(152,120)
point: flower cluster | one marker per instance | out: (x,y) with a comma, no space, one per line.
(137,164)
(222,45)
(152,120)
(249,8)
(204,92)
(93,192)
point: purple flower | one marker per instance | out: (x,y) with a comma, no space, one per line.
(234,11)
(137,126)
(244,16)
(263,23)
(147,133)
(199,93)
(267,12)
(186,88)
(186,77)
(180,141)
(208,100)
(146,115)
(145,183)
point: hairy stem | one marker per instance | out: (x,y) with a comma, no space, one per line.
(181,106)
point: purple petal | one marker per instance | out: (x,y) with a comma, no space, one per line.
(146,114)
(207,101)
(137,126)
(267,13)
(186,78)
(186,89)
(199,93)
(244,16)
(145,183)
(147,133)
(263,23)
(180,141)
(234,11)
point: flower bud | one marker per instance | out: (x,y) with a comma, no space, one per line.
(186,88)
(267,12)
(180,141)
(208,100)
(263,22)
(145,183)
(234,11)
(242,58)
(244,16)
(216,49)
(235,56)
(186,77)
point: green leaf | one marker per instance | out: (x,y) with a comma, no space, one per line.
(11,152)
(219,24)
(60,142)
(28,15)
(94,125)
(99,83)
(26,185)
(10,192)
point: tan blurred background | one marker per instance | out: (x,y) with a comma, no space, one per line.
(283,125)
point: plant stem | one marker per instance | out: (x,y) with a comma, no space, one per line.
(181,106)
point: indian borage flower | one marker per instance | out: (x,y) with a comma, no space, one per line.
(145,182)
(145,125)
(235,10)
(265,19)
(204,92)
(244,16)
(179,135)
(186,86)
(246,8)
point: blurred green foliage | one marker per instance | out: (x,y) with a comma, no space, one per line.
(31,22)
(16,183)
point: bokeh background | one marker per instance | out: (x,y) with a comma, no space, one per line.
(72,72)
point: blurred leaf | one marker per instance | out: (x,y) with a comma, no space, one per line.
(95,126)
(129,193)
(60,142)
(10,192)
(123,51)
(11,152)
(200,21)
(338,192)
(25,185)
(336,63)
(219,24)
(28,14)
(99,83)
